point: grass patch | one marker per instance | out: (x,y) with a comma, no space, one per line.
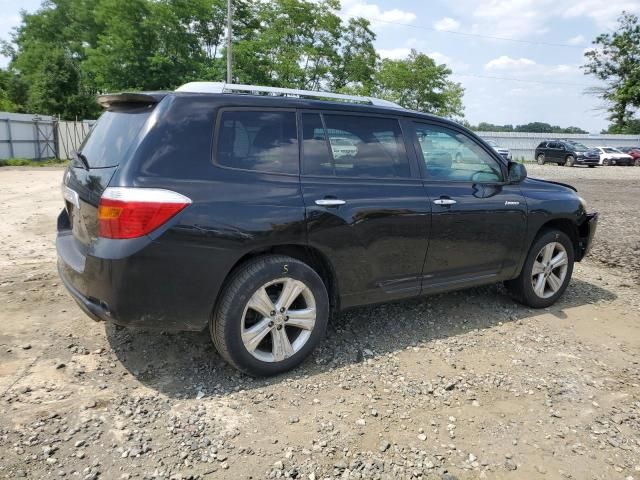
(27,162)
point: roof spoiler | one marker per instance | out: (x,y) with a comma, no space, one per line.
(118,99)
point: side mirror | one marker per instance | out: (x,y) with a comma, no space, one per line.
(517,172)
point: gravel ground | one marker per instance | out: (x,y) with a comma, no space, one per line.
(463,385)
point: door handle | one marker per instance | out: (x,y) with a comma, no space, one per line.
(330,202)
(444,201)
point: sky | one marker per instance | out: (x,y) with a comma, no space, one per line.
(518,60)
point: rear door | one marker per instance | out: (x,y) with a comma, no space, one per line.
(478,221)
(365,206)
(107,147)
(554,151)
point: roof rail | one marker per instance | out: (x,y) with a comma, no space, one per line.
(222,87)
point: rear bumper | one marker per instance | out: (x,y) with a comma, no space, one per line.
(587,231)
(93,308)
(159,285)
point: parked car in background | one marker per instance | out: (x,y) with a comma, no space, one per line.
(634,152)
(211,206)
(613,156)
(502,151)
(567,153)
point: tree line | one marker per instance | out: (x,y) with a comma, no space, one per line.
(68,51)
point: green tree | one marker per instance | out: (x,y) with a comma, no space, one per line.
(615,59)
(296,47)
(356,65)
(419,83)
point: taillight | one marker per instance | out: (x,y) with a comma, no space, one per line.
(126,212)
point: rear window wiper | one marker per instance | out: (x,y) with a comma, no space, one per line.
(82,158)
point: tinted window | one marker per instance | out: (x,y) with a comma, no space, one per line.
(543,145)
(112,135)
(258,140)
(361,147)
(317,158)
(452,156)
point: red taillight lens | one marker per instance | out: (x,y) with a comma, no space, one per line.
(133,212)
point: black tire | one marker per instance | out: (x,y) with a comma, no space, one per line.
(605,162)
(521,288)
(540,159)
(570,161)
(225,326)
(637,162)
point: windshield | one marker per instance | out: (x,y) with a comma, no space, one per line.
(492,144)
(611,150)
(578,146)
(112,135)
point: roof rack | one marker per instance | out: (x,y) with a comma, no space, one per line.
(222,87)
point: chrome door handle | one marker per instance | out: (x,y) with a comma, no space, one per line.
(330,202)
(444,201)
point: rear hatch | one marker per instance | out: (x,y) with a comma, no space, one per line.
(108,146)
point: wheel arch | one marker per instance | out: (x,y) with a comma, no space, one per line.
(309,255)
(565,225)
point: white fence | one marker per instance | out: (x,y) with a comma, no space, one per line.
(523,145)
(26,136)
(39,137)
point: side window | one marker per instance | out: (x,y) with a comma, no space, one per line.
(452,156)
(359,146)
(264,141)
(317,159)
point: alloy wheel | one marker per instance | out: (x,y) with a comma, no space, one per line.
(278,319)
(549,270)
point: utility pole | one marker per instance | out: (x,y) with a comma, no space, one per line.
(229,38)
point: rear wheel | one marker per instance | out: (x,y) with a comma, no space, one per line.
(271,315)
(540,159)
(637,162)
(570,162)
(546,271)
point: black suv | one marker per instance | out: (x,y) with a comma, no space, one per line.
(567,153)
(242,212)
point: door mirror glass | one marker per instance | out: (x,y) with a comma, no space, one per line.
(517,172)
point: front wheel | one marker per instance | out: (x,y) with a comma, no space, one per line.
(540,159)
(271,315)
(605,162)
(637,162)
(570,162)
(546,271)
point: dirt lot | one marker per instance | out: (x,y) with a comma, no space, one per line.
(462,385)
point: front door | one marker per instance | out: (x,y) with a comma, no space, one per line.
(478,221)
(365,204)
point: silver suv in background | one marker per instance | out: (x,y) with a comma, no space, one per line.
(502,151)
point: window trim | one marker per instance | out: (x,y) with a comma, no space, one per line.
(413,172)
(218,126)
(420,155)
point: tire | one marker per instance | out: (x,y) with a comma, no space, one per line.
(570,162)
(233,314)
(637,162)
(458,158)
(540,159)
(592,166)
(605,162)
(522,288)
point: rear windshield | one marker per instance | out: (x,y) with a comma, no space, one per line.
(112,135)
